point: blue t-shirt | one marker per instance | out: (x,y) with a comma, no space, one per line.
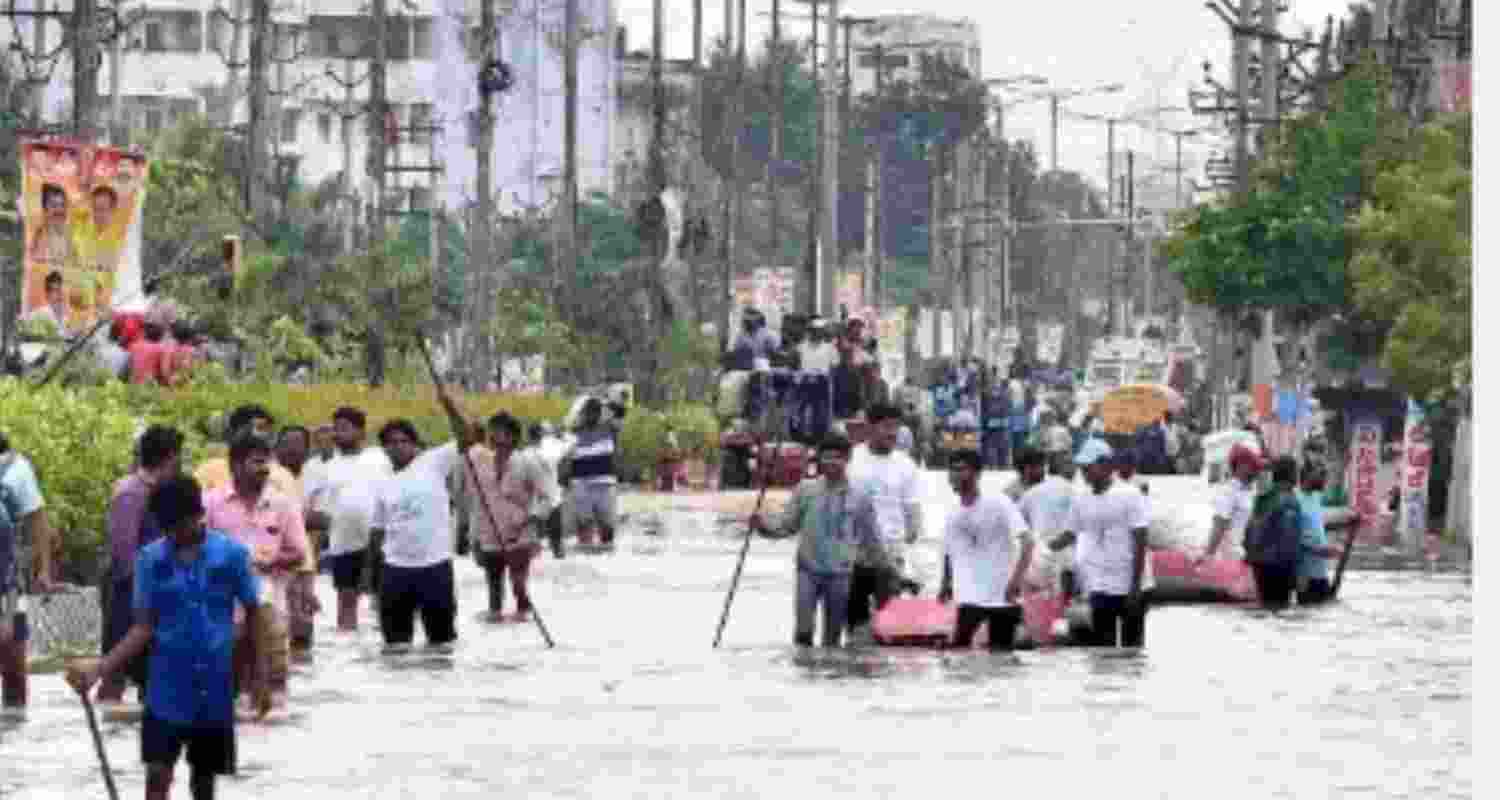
(191,608)
(1314,536)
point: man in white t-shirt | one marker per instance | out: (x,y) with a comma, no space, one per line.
(1046,503)
(341,501)
(412,527)
(1233,506)
(987,549)
(891,479)
(1109,526)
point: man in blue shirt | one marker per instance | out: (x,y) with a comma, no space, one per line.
(1313,555)
(186,588)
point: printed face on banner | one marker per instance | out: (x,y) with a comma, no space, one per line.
(79,204)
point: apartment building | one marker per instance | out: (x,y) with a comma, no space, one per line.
(176,60)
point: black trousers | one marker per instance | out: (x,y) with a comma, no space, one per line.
(1317,592)
(406,592)
(1002,626)
(869,590)
(1275,584)
(1114,623)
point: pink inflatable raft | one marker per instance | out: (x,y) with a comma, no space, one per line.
(924,622)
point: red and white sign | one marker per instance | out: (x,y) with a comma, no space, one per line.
(1364,472)
(1416,470)
(1455,87)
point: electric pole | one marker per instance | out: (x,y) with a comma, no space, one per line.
(484,143)
(829,246)
(570,140)
(657,168)
(86,62)
(778,99)
(256,138)
(378,111)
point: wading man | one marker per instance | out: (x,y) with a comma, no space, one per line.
(341,499)
(412,529)
(25,554)
(512,482)
(1109,527)
(131,528)
(987,549)
(832,522)
(271,524)
(889,478)
(187,587)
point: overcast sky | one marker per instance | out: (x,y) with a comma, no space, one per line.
(1155,47)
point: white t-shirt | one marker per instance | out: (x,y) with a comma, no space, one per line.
(343,487)
(1235,503)
(891,482)
(1059,440)
(1046,507)
(411,506)
(818,357)
(1103,524)
(983,542)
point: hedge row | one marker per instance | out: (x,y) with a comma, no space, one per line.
(80,438)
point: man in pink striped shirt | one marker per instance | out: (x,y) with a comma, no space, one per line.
(251,510)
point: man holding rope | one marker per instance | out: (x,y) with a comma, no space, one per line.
(412,530)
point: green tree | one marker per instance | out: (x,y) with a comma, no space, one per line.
(1413,257)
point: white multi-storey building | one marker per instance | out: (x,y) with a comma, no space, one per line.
(905,37)
(175,61)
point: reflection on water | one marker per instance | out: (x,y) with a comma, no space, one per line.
(1369,698)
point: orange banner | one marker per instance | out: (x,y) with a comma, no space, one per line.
(80,201)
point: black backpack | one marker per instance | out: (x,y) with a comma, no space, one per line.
(1273,536)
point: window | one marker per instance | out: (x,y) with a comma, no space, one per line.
(867,60)
(325,127)
(329,35)
(421,35)
(154,119)
(172,32)
(291,118)
(421,115)
(421,198)
(398,38)
(898,61)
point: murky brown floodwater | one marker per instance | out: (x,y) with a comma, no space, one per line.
(1368,699)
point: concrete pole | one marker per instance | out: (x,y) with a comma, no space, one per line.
(828,255)
(346,135)
(1054,132)
(778,93)
(1242,92)
(117,130)
(570,140)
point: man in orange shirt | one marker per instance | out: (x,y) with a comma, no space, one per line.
(270,523)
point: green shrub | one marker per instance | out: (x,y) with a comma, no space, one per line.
(80,437)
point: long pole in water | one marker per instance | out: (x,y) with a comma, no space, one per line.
(739,566)
(484,501)
(109,775)
(1349,539)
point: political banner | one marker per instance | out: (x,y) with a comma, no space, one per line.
(1416,471)
(1364,470)
(81,207)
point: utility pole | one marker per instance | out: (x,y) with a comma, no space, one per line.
(1242,93)
(570,140)
(778,99)
(378,111)
(657,168)
(1054,132)
(829,246)
(811,286)
(86,69)
(484,143)
(256,137)
(117,129)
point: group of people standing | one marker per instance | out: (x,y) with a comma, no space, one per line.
(211,592)
(855,520)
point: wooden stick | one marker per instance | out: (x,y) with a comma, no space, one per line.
(484,500)
(109,775)
(1349,539)
(739,565)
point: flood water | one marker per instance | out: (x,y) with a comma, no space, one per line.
(1370,698)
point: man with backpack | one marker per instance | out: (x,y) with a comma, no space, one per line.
(23,525)
(1273,539)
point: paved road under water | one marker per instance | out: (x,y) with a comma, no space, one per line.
(1367,699)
